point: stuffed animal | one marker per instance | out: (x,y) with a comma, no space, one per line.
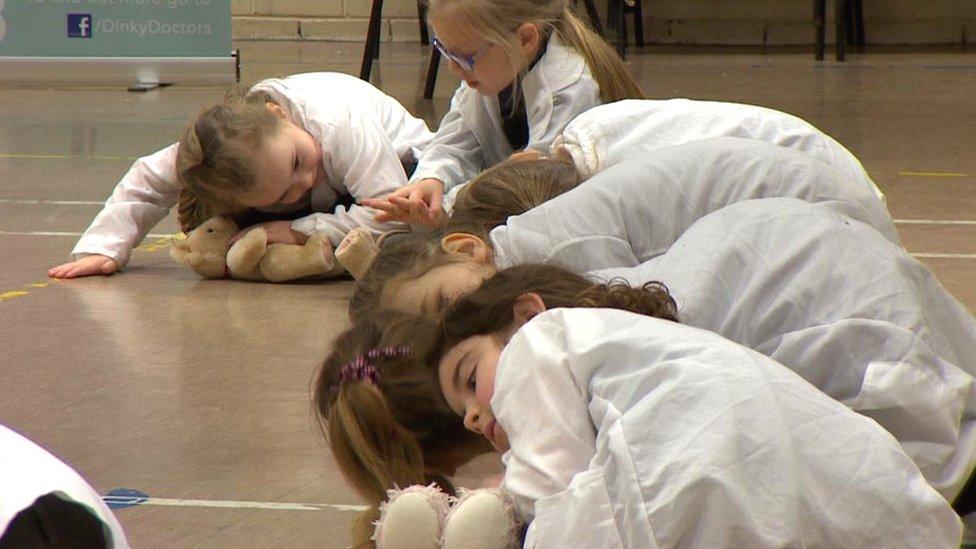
(252,258)
(423,517)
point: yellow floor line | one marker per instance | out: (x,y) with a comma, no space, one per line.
(66,157)
(11,295)
(933,174)
(159,244)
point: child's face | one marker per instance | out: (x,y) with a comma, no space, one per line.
(287,164)
(492,71)
(430,293)
(467,378)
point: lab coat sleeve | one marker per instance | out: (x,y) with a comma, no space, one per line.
(141,200)
(543,409)
(567,104)
(362,159)
(454,156)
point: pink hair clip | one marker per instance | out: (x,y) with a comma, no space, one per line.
(363,367)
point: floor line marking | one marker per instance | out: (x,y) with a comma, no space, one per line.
(54,202)
(60,233)
(933,174)
(935,222)
(163,241)
(65,157)
(173,502)
(923,255)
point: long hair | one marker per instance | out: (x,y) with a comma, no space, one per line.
(489,309)
(497,21)
(393,428)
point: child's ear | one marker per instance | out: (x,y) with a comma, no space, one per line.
(529,38)
(468,245)
(526,307)
(276,110)
(525,155)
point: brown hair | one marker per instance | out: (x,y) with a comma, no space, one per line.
(395,429)
(509,188)
(213,160)
(497,20)
(489,308)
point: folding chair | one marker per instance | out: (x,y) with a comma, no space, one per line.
(849,20)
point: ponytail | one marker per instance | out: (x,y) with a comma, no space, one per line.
(387,424)
(608,69)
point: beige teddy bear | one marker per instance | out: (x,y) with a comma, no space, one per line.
(252,258)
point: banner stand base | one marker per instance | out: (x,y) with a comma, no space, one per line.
(137,72)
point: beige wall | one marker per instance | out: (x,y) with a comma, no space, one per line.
(772,22)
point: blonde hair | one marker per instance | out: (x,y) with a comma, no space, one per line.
(509,188)
(394,429)
(497,20)
(214,158)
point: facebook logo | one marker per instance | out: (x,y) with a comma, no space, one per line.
(79,25)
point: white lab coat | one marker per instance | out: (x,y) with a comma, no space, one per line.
(635,210)
(28,472)
(630,431)
(608,134)
(851,313)
(365,136)
(470,138)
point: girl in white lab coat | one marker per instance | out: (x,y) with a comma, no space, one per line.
(528,68)
(620,217)
(608,134)
(921,333)
(625,430)
(292,147)
(850,312)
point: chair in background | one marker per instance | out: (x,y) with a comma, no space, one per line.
(849,20)
(617,11)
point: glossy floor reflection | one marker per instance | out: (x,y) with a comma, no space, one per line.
(185,389)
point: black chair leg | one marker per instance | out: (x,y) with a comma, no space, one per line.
(433,64)
(840,15)
(858,17)
(594,16)
(621,29)
(422,17)
(371,50)
(638,23)
(820,27)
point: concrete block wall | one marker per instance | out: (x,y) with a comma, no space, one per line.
(738,22)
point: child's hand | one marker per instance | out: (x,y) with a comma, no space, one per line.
(89,265)
(279,232)
(419,203)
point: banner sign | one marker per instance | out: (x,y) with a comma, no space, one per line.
(115,28)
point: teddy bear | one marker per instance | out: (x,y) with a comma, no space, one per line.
(423,517)
(251,258)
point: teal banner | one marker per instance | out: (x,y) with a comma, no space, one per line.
(115,28)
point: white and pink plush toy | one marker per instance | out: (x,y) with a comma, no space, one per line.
(423,517)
